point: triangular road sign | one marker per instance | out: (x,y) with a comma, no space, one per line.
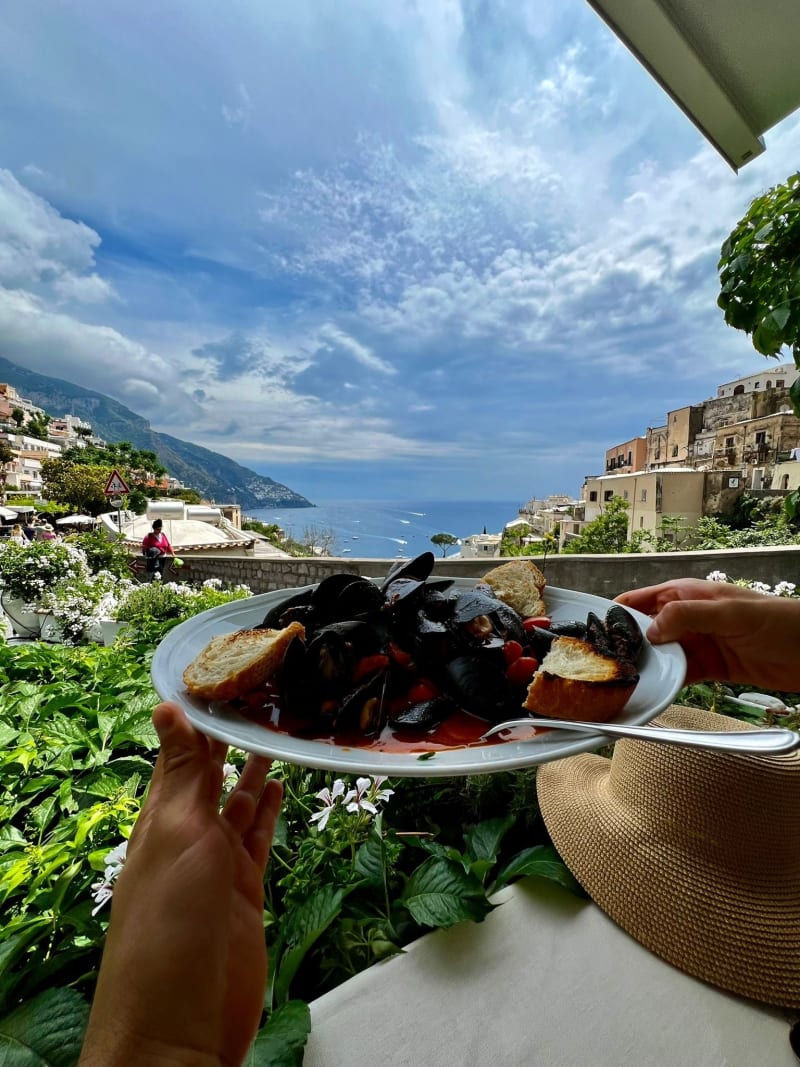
(116,484)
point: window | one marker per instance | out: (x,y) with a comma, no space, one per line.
(630,458)
(608,494)
(761,437)
(641,521)
(643,497)
(757,385)
(781,382)
(658,453)
(624,494)
(674,451)
(729,442)
(785,482)
(674,418)
(593,496)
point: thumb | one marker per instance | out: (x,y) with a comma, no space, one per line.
(184,761)
(680,618)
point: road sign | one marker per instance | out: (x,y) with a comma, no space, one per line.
(116,502)
(116,484)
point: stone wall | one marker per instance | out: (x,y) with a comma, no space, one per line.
(603,575)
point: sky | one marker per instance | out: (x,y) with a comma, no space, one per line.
(435,249)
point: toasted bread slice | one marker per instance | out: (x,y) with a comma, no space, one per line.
(575,681)
(233,664)
(520,584)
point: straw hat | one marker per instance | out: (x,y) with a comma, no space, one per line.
(695,854)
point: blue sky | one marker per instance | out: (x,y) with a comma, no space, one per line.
(415,248)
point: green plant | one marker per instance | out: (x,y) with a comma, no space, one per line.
(26,571)
(153,609)
(443,541)
(103,553)
(759,273)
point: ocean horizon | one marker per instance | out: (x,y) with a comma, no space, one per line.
(384,529)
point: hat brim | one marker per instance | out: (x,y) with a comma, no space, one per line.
(736,931)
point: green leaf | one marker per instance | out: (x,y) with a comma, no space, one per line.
(300,929)
(369,860)
(441,893)
(483,840)
(281,1041)
(541,861)
(44,1032)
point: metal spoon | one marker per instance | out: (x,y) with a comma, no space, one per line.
(775,739)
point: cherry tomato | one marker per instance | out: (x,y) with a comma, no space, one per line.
(370,665)
(422,690)
(512,650)
(541,622)
(522,670)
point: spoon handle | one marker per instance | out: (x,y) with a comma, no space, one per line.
(774,739)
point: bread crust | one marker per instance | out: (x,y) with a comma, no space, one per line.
(575,681)
(234,664)
(520,584)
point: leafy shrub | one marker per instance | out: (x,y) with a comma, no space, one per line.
(26,571)
(102,552)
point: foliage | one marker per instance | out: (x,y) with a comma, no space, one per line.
(759,271)
(26,571)
(79,485)
(710,533)
(102,553)
(79,602)
(7,453)
(18,417)
(277,537)
(138,466)
(607,533)
(154,608)
(443,541)
(37,426)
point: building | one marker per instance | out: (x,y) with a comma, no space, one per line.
(652,496)
(481,546)
(629,456)
(775,376)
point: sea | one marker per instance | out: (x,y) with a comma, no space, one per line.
(385,529)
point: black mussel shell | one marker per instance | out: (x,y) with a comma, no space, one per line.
(478,684)
(357,599)
(298,692)
(365,707)
(272,620)
(400,589)
(418,569)
(573,628)
(332,656)
(425,715)
(325,596)
(624,634)
(596,634)
(539,641)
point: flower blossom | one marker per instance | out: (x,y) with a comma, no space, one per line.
(329,798)
(367,795)
(761,587)
(785,589)
(103,890)
(717,576)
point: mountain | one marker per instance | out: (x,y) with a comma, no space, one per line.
(212,474)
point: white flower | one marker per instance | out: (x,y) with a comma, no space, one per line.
(367,795)
(103,890)
(785,589)
(230,776)
(717,576)
(329,798)
(761,587)
(212,583)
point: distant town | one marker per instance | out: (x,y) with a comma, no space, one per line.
(699,462)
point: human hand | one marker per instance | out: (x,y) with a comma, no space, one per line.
(185,964)
(729,634)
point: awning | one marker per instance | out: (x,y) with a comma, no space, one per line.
(731,65)
(76,520)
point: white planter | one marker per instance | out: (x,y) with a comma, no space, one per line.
(51,630)
(24,623)
(110,629)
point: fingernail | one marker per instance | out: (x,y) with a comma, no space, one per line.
(653,634)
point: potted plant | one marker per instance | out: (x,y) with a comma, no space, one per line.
(27,572)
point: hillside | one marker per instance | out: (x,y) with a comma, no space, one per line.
(212,474)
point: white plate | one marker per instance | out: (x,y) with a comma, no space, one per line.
(662,671)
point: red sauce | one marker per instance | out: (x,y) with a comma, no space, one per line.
(459,730)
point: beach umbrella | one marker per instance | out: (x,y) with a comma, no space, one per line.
(76,520)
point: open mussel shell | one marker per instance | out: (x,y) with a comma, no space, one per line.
(623,633)
(364,708)
(332,655)
(479,685)
(417,569)
(274,619)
